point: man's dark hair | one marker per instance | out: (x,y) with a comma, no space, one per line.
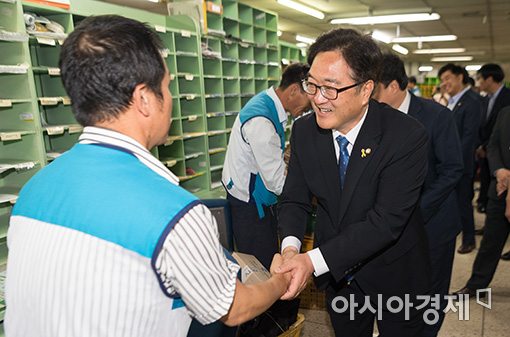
(411,79)
(392,68)
(103,60)
(293,73)
(492,70)
(360,52)
(454,69)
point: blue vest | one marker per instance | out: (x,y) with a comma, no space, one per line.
(106,192)
(262,105)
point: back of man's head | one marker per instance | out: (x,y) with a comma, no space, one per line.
(492,70)
(411,79)
(392,69)
(293,73)
(103,60)
(360,52)
(456,70)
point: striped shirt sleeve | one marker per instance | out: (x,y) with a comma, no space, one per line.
(192,265)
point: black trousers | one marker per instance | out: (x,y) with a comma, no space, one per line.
(252,235)
(465,200)
(362,325)
(485,180)
(493,242)
(441,258)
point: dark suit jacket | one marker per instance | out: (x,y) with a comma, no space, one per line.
(372,227)
(498,149)
(445,167)
(468,115)
(502,100)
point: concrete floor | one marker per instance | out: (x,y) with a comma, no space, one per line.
(482,322)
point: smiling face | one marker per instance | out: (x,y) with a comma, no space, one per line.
(452,83)
(343,113)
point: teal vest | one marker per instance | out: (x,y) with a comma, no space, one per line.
(262,105)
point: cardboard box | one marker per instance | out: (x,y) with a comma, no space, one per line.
(252,271)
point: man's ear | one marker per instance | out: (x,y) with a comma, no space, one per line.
(141,99)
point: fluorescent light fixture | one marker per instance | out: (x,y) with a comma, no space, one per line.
(381,36)
(430,38)
(374,20)
(473,67)
(301,45)
(439,51)
(279,33)
(304,39)
(156,1)
(425,68)
(302,8)
(399,49)
(452,59)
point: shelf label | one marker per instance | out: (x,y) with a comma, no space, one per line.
(160,29)
(190,97)
(60,42)
(55,130)
(192,118)
(46,41)
(165,52)
(189,77)
(66,100)
(244,45)
(75,129)
(5,103)
(27,117)
(185,33)
(172,77)
(48,100)
(4,136)
(53,71)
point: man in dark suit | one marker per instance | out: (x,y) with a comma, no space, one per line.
(490,78)
(445,167)
(467,110)
(365,163)
(497,224)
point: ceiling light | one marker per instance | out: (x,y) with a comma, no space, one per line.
(398,48)
(156,1)
(439,51)
(425,68)
(373,20)
(431,38)
(381,36)
(304,39)
(451,58)
(302,8)
(473,67)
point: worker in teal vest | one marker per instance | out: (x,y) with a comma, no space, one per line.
(254,170)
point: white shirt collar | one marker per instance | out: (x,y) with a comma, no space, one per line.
(282,114)
(452,102)
(404,107)
(97,135)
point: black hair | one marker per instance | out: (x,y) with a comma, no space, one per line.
(360,52)
(456,70)
(294,73)
(103,60)
(411,79)
(392,68)
(492,70)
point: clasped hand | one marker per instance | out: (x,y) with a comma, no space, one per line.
(299,267)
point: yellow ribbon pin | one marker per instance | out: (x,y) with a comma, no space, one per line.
(365,152)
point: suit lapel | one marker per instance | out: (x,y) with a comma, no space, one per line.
(362,153)
(328,163)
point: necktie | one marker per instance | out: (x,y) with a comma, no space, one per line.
(490,105)
(343,160)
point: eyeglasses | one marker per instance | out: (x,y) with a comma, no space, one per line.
(326,91)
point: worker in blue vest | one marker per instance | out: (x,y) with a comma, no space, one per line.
(254,169)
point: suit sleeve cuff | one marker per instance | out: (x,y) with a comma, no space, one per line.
(291,241)
(319,264)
